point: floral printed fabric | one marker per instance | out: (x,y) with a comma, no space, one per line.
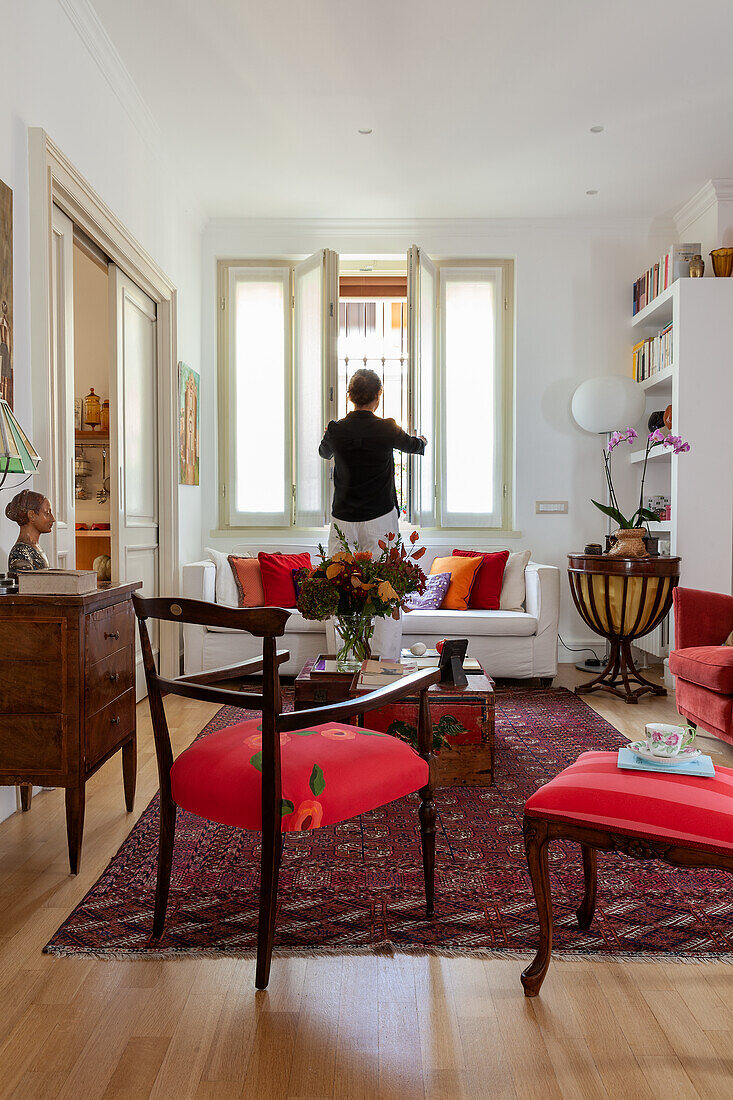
(436,587)
(329,773)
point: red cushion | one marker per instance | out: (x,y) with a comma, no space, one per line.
(696,813)
(329,773)
(277,577)
(710,666)
(487,585)
(709,709)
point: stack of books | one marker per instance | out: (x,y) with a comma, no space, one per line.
(652,355)
(675,264)
(376,674)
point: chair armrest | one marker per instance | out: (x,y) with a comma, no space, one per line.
(701,618)
(232,672)
(407,685)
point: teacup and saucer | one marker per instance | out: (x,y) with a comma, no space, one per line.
(666,744)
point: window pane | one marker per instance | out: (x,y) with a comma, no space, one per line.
(258,426)
(469,396)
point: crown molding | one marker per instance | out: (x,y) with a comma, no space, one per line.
(91,31)
(711,193)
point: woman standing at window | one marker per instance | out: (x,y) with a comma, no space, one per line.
(364,492)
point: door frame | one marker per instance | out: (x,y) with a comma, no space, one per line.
(54,180)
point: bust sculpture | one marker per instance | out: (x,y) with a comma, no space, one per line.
(32,512)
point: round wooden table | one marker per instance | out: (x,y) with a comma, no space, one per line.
(622,599)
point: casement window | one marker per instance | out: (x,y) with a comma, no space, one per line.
(440,339)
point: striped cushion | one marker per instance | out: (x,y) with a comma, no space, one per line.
(694,813)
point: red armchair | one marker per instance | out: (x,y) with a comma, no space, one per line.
(701,662)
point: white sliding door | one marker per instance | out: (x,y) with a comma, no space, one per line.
(61,399)
(133,438)
(315,295)
(422,344)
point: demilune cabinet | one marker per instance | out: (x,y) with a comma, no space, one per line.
(67,695)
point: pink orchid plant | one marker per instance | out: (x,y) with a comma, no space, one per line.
(656,438)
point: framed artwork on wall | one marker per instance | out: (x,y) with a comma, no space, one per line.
(6,294)
(189,389)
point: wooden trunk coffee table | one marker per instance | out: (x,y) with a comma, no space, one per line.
(464,715)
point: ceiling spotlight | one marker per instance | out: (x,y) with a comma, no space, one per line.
(597,129)
(592,191)
(366,130)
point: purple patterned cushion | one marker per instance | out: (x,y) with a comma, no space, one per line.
(435,589)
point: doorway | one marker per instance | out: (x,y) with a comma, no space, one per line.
(71,226)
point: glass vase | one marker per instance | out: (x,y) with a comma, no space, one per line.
(353,641)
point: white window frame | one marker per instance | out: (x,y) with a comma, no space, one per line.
(502,520)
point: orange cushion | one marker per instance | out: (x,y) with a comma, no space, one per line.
(328,773)
(248,579)
(594,791)
(463,573)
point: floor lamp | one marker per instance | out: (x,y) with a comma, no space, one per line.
(600,406)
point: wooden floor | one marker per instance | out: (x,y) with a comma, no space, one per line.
(332,1027)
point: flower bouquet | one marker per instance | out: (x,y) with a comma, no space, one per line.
(631,532)
(356,587)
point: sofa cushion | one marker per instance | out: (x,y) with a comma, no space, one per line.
(277,576)
(465,624)
(225,589)
(486,590)
(513,590)
(436,587)
(248,579)
(463,573)
(709,709)
(329,773)
(710,666)
(697,813)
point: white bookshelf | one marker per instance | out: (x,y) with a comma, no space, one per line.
(699,386)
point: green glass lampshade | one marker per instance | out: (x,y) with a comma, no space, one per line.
(17,454)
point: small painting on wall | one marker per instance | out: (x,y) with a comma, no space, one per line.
(189,388)
(6,293)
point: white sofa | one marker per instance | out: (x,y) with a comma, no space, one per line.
(516,644)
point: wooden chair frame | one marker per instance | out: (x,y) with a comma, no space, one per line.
(267,623)
(540,832)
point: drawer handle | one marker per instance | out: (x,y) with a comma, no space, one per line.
(115,721)
(114,676)
(112,634)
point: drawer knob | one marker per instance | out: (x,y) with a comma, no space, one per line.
(112,634)
(114,676)
(115,721)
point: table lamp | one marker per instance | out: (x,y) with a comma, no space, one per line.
(600,406)
(17,454)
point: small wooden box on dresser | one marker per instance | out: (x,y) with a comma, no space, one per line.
(67,695)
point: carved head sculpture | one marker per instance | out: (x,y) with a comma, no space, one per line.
(32,512)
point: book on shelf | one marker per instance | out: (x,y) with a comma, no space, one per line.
(652,355)
(57,582)
(675,264)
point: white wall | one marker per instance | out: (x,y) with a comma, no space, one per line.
(50,78)
(572,315)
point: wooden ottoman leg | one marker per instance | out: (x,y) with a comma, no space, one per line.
(26,791)
(590,872)
(535,845)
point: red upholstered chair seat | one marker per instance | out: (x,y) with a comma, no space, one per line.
(696,813)
(329,773)
(710,666)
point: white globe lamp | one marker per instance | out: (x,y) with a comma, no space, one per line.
(612,402)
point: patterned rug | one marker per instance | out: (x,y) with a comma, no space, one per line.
(358,886)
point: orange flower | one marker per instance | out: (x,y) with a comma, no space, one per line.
(334,570)
(255,740)
(343,555)
(308,815)
(414,536)
(363,555)
(339,734)
(386,591)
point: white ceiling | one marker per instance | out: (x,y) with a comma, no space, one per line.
(478,109)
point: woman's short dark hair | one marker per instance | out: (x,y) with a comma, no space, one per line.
(22,503)
(365,387)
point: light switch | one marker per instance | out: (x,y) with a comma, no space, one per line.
(551,506)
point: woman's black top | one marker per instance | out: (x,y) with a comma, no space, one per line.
(363,479)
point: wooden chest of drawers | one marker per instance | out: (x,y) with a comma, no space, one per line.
(67,695)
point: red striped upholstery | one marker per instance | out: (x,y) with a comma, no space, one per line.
(329,773)
(710,666)
(695,813)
